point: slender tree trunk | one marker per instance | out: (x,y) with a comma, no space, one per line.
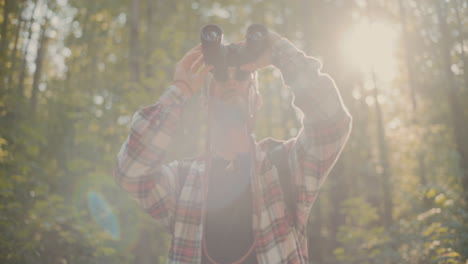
(188,24)
(283,104)
(38,71)
(3,45)
(149,38)
(456,111)
(13,58)
(6,12)
(316,247)
(338,194)
(383,150)
(407,52)
(422,172)
(142,248)
(259,15)
(461,40)
(383,160)
(25,53)
(365,180)
(412,87)
(85,21)
(134,54)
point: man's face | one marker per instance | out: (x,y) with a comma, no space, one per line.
(231,101)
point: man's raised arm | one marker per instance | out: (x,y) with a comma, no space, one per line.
(139,168)
(326,122)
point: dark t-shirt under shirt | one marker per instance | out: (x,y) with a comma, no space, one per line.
(228,223)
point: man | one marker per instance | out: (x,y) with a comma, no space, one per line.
(230,206)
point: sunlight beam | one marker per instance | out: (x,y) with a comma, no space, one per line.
(371,47)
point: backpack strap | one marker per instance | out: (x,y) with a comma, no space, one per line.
(279,158)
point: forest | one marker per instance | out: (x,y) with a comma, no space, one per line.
(73,72)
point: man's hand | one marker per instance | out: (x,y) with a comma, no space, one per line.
(265,59)
(191,71)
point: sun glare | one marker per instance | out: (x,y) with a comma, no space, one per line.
(372,47)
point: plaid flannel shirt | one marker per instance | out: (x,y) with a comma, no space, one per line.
(159,190)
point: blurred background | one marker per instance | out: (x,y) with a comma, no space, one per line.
(72,73)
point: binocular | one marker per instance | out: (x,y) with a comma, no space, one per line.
(223,56)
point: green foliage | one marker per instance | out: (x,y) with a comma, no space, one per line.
(435,235)
(361,233)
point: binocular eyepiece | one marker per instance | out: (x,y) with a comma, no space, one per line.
(222,56)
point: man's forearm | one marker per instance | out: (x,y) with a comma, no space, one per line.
(315,93)
(152,128)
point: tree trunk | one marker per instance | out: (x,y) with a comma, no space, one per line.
(383,160)
(422,172)
(25,53)
(407,52)
(6,13)
(3,44)
(13,58)
(412,87)
(339,187)
(149,39)
(461,40)
(387,216)
(315,243)
(38,71)
(134,67)
(458,119)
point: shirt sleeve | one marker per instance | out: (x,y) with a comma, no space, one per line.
(326,123)
(139,167)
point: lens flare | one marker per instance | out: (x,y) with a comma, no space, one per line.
(113,212)
(102,214)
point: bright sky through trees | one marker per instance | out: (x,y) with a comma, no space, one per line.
(372,47)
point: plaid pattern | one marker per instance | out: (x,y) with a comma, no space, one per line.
(158,189)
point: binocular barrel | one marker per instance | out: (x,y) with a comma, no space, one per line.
(211,37)
(219,55)
(256,39)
